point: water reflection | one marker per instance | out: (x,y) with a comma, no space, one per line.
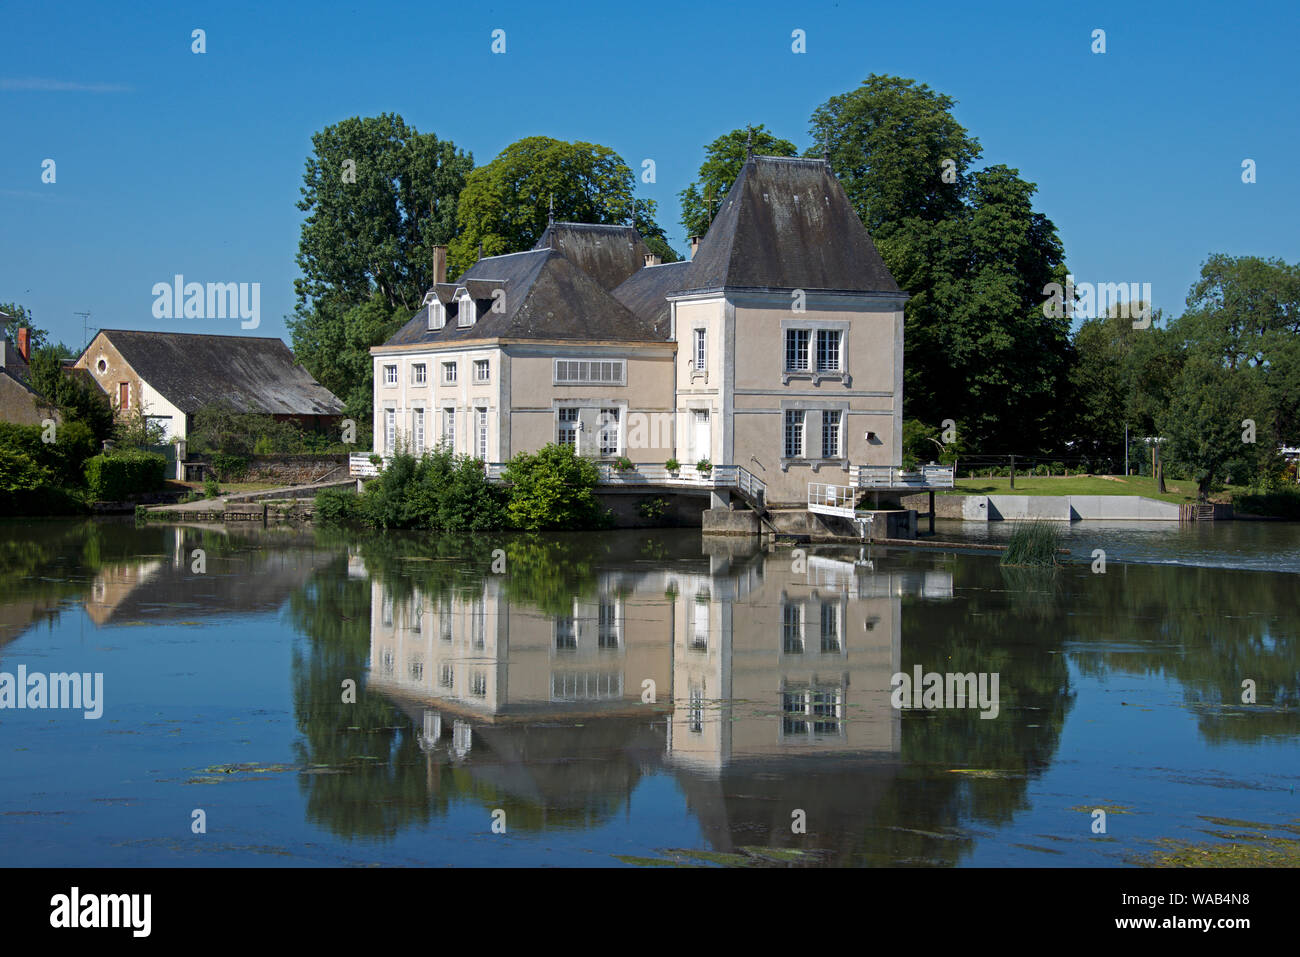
(553,676)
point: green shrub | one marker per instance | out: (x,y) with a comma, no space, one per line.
(114,476)
(623,464)
(1282,503)
(439,490)
(229,468)
(338,506)
(1033,543)
(652,509)
(211,488)
(672,465)
(553,489)
(704,466)
(65,457)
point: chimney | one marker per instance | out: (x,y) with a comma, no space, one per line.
(695,246)
(439,263)
(24,343)
(652,260)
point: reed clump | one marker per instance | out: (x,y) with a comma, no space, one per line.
(1033,544)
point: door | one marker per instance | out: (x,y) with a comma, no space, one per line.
(702,437)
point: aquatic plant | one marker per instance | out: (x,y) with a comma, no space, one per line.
(1033,543)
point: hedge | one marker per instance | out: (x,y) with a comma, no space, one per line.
(113,477)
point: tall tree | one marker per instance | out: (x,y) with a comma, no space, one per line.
(973,254)
(18,317)
(723,159)
(378,197)
(504,205)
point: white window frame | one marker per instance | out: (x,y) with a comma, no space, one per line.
(836,431)
(390,431)
(466,311)
(589,371)
(419,373)
(824,337)
(797,359)
(794,418)
(450,372)
(481,432)
(390,375)
(608,425)
(482,370)
(701,349)
(437,315)
(449,426)
(417,430)
(565,416)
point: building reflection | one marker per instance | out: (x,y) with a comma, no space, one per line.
(761,681)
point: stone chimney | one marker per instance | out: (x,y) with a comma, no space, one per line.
(695,245)
(652,260)
(439,263)
(24,343)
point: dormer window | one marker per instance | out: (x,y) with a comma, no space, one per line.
(465,311)
(437,314)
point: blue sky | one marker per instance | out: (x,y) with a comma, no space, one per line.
(172,162)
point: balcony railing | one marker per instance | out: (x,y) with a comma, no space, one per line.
(888,476)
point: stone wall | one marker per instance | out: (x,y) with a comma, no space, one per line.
(281,469)
(683,511)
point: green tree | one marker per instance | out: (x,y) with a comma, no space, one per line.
(971,251)
(504,205)
(378,197)
(723,159)
(1205,423)
(553,488)
(76,400)
(17,317)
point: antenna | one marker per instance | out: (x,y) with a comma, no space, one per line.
(85,331)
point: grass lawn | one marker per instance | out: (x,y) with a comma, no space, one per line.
(1178,491)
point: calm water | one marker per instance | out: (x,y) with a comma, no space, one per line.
(622,699)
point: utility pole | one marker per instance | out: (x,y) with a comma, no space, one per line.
(1126,450)
(1013,471)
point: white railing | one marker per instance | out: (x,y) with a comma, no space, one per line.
(887,476)
(688,476)
(360,466)
(832,499)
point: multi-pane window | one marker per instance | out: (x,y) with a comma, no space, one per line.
(444,622)
(482,370)
(416,667)
(446,676)
(609,431)
(607,626)
(699,636)
(390,430)
(796,350)
(417,430)
(830,629)
(812,711)
(449,427)
(831,422)
(419,373)
(481,444)
(695,714)
(792,630)
(700,354)
(478,684)
(567,429)
(566,633)
(590,371)
(828,350)
(794,433)
(390,375)
(478,625)
(449,372)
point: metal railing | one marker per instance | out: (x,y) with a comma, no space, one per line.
(888,476)
(832,499)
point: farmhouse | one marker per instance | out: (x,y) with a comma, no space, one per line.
(169,376)
(778,348)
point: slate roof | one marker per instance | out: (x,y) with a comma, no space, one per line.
(608,254)
(545,297)
(248,373)
(645,292)
(786,223)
